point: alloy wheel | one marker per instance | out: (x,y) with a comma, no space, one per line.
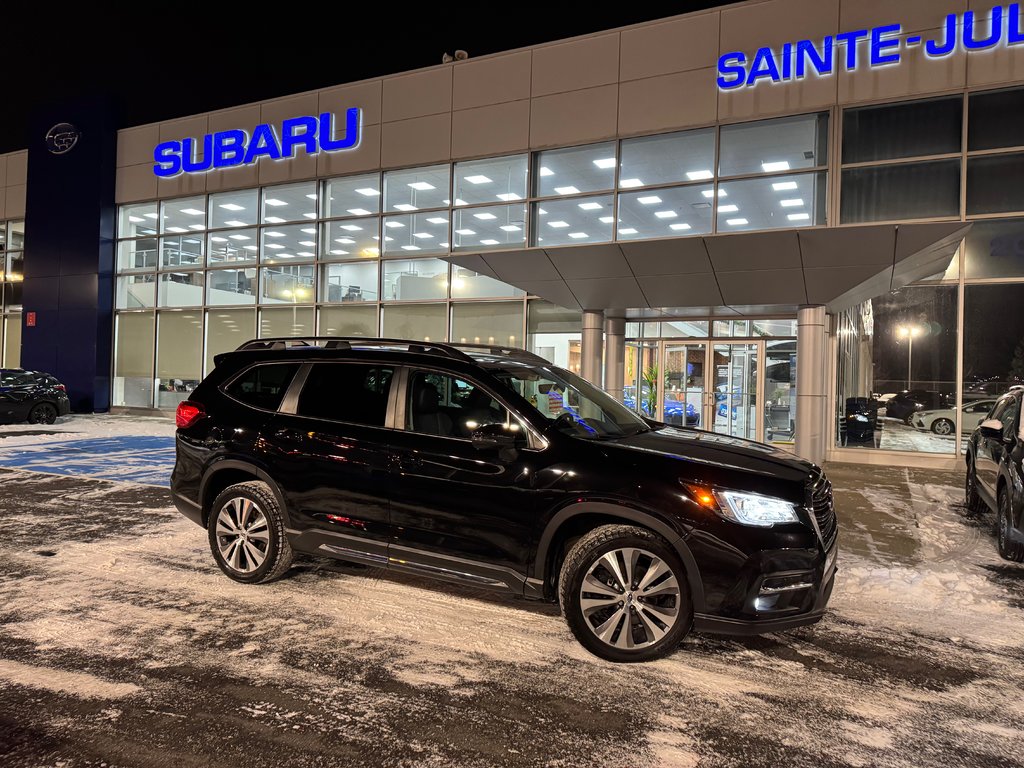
(943,427)
(630,598)
(243,535)
(44,413)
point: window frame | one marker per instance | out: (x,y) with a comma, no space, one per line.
(230,381)
(290,402)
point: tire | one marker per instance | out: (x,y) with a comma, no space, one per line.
(943,427)
(252,508)
(973,501)
(655,624)
(43,413)
(1008,550)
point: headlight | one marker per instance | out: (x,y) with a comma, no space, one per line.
(859,417)
(753,509)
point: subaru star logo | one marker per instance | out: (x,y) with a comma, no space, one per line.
(62,138)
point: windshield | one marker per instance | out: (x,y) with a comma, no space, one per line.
(569,403)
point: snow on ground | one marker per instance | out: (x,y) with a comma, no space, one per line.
(120,641)
(79,426)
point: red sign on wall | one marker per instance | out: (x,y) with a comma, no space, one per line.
(30,319)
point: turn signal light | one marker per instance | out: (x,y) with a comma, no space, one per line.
(188,413)
(702,496)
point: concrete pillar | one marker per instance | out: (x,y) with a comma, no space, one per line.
(811,400)
(590,349)
(614,356)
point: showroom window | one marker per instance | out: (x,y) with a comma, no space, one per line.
(995,249)
(555,333)
(12,272)
(902,161)
(993,341)
(994,170)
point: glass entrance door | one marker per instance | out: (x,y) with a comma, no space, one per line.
(683,404)
(735,389)
(780,392)
(640,388)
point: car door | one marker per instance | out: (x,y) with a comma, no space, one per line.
(328,449)
(457,511)
(990,449)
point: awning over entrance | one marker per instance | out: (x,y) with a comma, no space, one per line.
(755,273)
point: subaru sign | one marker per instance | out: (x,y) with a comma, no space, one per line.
(226,149)
(882,46)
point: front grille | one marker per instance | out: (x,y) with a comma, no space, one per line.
(824,510)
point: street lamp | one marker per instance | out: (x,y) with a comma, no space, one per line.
(908,332)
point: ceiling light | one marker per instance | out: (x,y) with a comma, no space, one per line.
(649,200)
(231,207)
(309,215)
(351,228)
(311,196)
(368,191)
(405,207)
(176,229)
(627,231)
(606,219)
(423,235)
(307,243)
(445,245)
(794,203)
(578,235)
(591,206)
(339,252)
(410,247)
(781,165)
(150,215)
(272,220)
(699,175)
(541,212)
(546,171)
(666,214)
(681,227)
(567,190)
(709,193)
(239,237)
(728,208)
(273,234)
(359,211)
(508,197)
(308,230)
(558,224)
(306,254)
(464,232)
(218,239)
(274,201)
(784,186)
(799,217)
(437,220)
(192,211)
(458,201)
(196,226)
(344,240)
(484,216)
(737,222)
(488,242)
(421,186)
(510,228)
(630,183)
(136,220)
(479,179)
(394,224)
(605,163)
(275,246)
(250,248)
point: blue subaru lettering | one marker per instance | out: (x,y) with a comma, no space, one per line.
(189,152)
(263,144)
(822,62)
(353,119)
(732,72)
(298,131)
(851,39)
(1014,34)
(880,45)
(971,40)
(935,49)
(763,67)
(168,159)
(229,148)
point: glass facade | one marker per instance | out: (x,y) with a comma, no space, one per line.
(12,273)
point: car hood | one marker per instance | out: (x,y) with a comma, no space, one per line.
(721,454)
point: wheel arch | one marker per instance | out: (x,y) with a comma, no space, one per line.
(228,472)
(583,516)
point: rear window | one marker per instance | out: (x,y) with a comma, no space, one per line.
(263,386)
(356,394)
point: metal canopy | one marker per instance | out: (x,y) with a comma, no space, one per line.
(744,274)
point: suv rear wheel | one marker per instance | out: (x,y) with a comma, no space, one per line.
(247,536)
(1008,550)
(44,413)
(624,594)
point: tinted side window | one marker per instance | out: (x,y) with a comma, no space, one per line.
(264,385)
(449,406)
(349,392)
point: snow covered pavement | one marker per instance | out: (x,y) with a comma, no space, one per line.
(120,642)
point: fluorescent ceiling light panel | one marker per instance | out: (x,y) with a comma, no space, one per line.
(488,242)
(272,233)
(794,203)
(231,207)
(351,227)
(465,232)
(606,219)
(410,247)
(737,222)
(799,217)
(578,235)
(239,237)
(423,235)
(728,208)
(508,197)
(510,228)
(394,224)
(546,171)
(192,211)
(367,191)
(649,200)
(567,190)
(591,206)
(274,202)
(405,207)
(776,167)
(682,227)
(627,231)
(359,211)
(479,179)
(699,175)
(666,214)
(605,162)
(270,220)
(558,224)
(710,193)
(421,186)
(784,186)
(437,220)
(630,183)
(484,216)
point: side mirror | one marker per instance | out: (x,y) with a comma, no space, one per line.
(495,437)
(992,429)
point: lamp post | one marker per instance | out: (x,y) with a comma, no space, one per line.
(908,332)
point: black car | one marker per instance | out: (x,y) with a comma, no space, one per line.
(495,468)
(904,405)
(31,396)
(994,475)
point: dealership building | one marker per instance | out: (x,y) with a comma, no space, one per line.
(759,219)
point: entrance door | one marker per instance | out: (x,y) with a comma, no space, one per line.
(734,387)
(683,403)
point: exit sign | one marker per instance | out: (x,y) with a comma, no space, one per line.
(30,319)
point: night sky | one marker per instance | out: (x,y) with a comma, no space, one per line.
(166,60)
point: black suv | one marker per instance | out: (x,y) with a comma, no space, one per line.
(31,396)
(494,468)
(994,474)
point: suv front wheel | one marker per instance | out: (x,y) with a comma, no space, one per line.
(1008,550)
(624,594)
(247,535)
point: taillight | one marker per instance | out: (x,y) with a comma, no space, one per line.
(188,413)
(62,388)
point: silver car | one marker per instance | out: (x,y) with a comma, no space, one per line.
(943,421)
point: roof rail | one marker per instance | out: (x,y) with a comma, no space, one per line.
(510,352)
(353,342)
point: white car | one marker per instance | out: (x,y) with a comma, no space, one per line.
(943,422)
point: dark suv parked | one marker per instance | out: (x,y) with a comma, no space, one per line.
(994,475)
(31,396)
(494,468)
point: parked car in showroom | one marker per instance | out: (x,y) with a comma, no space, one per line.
(364,450)
(674,409)
(943,421)
(995,479)
(31,396)
(904,405)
